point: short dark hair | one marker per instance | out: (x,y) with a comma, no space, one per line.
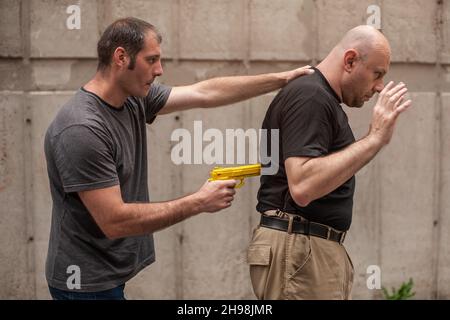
(128,33)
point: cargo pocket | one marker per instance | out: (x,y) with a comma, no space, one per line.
(259,259)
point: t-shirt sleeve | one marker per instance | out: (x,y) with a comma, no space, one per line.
(155,100)
(306,129)
(84,159)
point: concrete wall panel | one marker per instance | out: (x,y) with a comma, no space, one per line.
(162,14)
(336,18)
(64,74)
(444,222)
(411,41)
(446,32)
(281,30)
(12,74)
(212,29)
(16,269)
(11,35)
(50,36)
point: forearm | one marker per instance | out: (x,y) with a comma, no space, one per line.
(118,219)
(228,90)
(320,176)
(144,218)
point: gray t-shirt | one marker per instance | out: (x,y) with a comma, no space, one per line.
(92,145)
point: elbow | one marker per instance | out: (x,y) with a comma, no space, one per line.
(301,196)
(302,201)
(113,228)
(204,102)
(110,233)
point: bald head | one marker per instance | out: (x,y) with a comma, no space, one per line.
(357,64)
(365,39)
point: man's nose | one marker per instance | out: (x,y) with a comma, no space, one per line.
(379,87)
(158,70)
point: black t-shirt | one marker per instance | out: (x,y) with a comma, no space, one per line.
(311,123)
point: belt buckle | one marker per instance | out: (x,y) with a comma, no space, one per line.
(342,237)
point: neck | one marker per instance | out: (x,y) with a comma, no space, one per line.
(105,86)
(331,72)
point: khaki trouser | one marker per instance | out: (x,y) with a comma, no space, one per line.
(296,266)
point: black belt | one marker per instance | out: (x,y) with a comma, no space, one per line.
(303,227)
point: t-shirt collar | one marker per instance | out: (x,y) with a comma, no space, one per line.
(327,84)
(103,101)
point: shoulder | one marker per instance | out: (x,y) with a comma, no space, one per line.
(157,93)
(305,94)
(81,111)
(79,143)
(159,88)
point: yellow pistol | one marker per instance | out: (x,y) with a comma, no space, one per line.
(236,173)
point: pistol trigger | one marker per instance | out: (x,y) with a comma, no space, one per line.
(240,184)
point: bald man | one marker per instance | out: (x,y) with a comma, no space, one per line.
(297,250)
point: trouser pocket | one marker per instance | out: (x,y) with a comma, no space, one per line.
(350,276)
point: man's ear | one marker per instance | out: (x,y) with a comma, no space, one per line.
(120,57)
(350,57)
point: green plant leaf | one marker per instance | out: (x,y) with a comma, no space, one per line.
(403,293)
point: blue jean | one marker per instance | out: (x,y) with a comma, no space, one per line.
(111,294)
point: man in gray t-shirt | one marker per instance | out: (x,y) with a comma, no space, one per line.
(92,145)
(102,221)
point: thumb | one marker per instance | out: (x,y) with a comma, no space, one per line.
(230,183)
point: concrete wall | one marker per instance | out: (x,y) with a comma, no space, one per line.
(401,214)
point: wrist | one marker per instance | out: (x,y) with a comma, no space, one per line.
(282,78)
(375,140)
(286,77)
(195,203)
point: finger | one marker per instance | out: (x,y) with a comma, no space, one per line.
(399,101)
(231,191)
(400,94)
(395,89)
(307,70)
(229,199)
(228,193)
(404,106)
(387,87)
